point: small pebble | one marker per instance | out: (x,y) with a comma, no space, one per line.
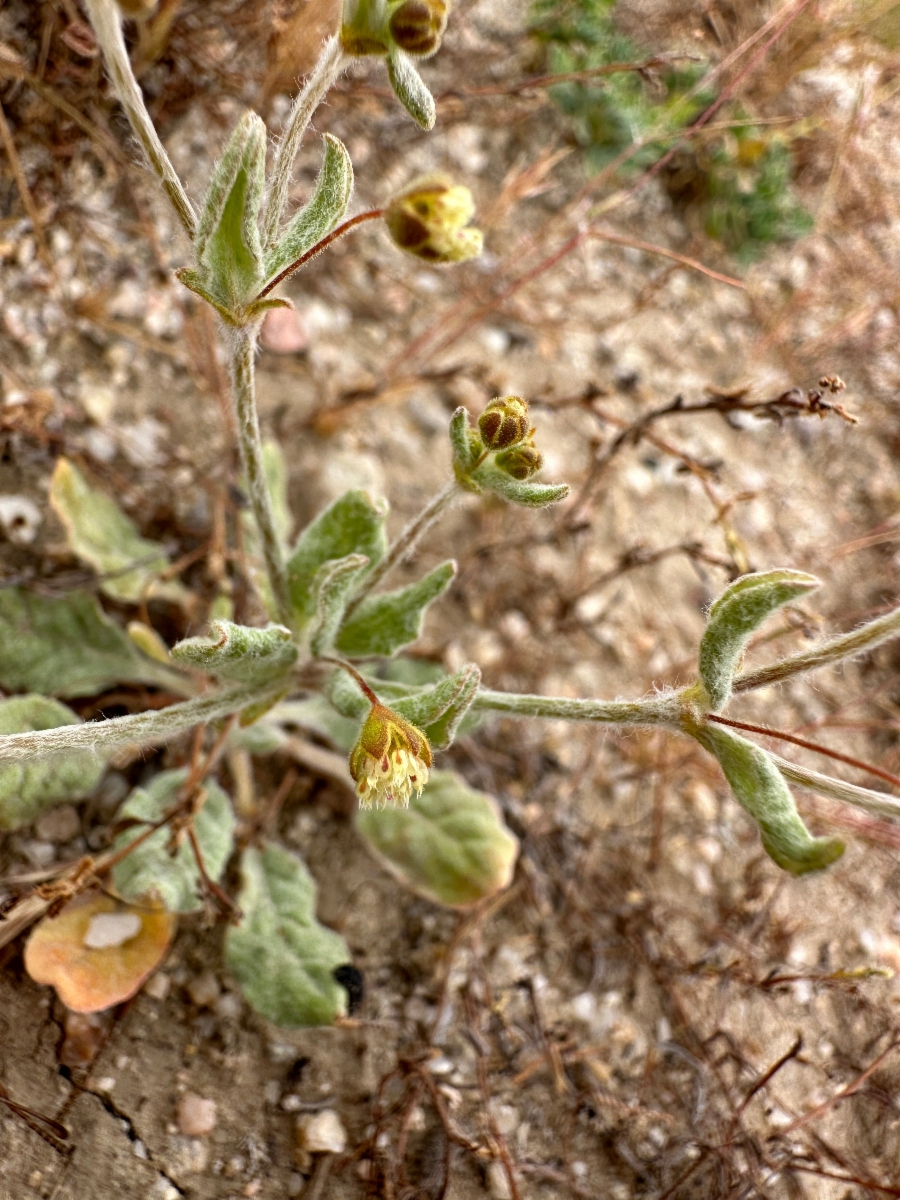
(158,986)
(196,1116)
(19,519)
(284,331)
(204,989)
(189,1155)
(228,1007)
(321,1132)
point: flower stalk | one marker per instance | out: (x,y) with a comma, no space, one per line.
(106,20)
(331,62)
(408,540)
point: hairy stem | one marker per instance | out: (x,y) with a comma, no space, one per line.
(106,20)
(850,793)
(137,729)
(243,351)
(872,634)
(331,62)
(657,710)
(407,541)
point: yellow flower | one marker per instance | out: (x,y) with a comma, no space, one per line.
(431,220)
(390,760)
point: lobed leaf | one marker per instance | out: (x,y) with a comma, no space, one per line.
(353,524)
(320,214)
(409,88)
(27,788)
(68,647)
(737,613)
(101,535)
(383,624)
(79,954)
(239,653)
(150,871)
(282,958)
(759,787)
(450,845)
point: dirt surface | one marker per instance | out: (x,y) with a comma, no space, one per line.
(652,1009)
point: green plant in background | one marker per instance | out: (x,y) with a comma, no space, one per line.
(246,689)
(737,182)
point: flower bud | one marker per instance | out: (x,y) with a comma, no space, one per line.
(430,220)
(417,26)
(520,462)
(504,422)
(390,760)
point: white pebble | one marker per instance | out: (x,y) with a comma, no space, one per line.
(196,1115)
(20,519)
(111,929)
(321,1132)
(158,986)
(204,989)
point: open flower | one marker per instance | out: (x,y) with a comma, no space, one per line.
(430,219)
(390,760)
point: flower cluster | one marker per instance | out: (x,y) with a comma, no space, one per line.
(504,426)
(390,760)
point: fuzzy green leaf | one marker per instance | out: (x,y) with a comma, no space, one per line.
(737,613)
(227,243)
(450,845)
(149,870)
(383,624)
(760,788)
(409,88)
(334,585)
(281,957)
(68,647)
(354,524)
(101,535)
(27,788)
(516,491)
(321,213)
(439,711)
(240,654)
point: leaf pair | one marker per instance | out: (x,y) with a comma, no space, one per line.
(331,561)
(757,783)
(232,266)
